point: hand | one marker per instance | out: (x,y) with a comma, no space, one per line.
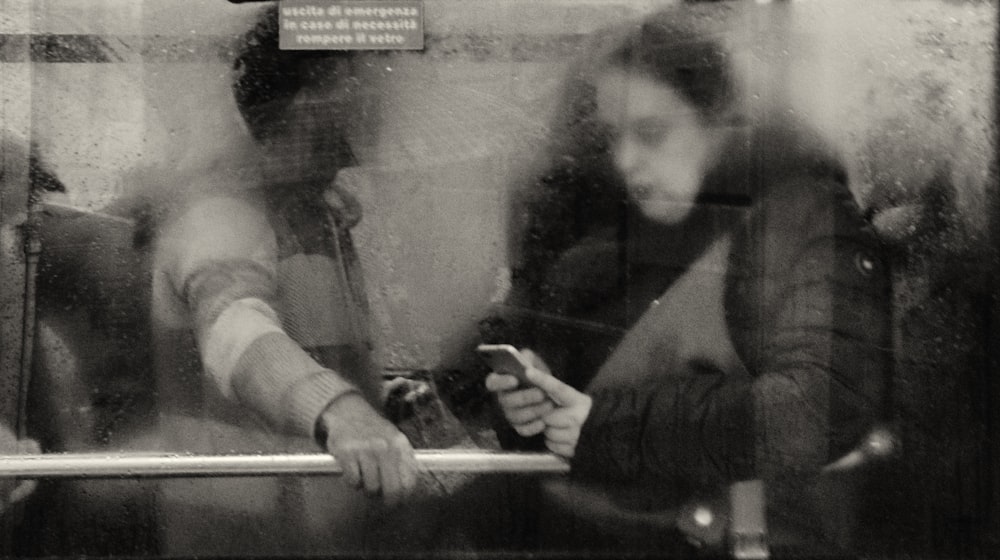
(524,407)
(372,452)
(549,406)
(13,491)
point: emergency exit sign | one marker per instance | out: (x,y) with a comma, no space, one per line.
(351,24)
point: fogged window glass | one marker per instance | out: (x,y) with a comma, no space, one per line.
(734,261)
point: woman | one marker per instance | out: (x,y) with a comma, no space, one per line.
(737,304)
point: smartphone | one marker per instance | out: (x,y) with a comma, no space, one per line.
(504,358)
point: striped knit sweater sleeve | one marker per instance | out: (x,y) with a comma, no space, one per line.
(224,268)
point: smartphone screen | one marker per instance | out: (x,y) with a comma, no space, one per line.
(504,358)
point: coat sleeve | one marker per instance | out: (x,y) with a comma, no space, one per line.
(809,314)
(224,269)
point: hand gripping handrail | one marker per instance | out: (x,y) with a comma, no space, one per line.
(169,465)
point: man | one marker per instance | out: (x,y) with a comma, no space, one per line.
(259,324)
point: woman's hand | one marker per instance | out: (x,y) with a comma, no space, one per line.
(373,453)
(549,406)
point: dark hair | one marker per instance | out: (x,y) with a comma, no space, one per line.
(267,79)
(578,194)
(679,52)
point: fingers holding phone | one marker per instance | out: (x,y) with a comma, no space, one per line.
(523,405)
(525,409)
(533,400)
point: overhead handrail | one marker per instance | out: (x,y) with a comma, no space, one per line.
(170,465)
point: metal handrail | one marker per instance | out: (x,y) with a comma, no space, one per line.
(170,465)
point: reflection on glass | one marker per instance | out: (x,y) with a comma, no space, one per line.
(699,206)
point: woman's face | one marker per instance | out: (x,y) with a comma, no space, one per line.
(658,142)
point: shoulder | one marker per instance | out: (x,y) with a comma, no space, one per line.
(802,189)
(809,242)
(801,208)
(219,228)
(219,220)
(807,220)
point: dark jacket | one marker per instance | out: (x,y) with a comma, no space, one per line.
(752,341)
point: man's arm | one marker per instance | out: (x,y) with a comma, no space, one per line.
(224,267)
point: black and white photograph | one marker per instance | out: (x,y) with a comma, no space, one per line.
(476,279)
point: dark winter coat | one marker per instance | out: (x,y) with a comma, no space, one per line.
(751,341)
